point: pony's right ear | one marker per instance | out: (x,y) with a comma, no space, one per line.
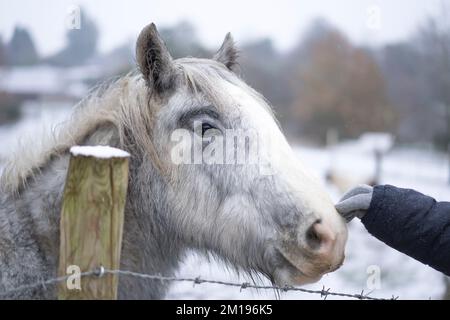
(227,54)
(154,59)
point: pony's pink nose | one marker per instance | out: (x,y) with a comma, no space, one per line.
(324,243)
(320,235)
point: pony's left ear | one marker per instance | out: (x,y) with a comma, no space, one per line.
(227,53)
(154,60)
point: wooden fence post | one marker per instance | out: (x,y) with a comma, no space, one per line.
(92,218)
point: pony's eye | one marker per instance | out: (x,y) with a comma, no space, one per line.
(205,127)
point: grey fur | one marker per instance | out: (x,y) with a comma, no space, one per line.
(227,211)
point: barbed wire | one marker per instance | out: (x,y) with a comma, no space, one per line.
(324,293)
(45,283)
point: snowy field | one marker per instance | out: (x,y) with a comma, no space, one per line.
(399,275)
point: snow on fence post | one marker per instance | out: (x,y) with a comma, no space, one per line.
(91,222)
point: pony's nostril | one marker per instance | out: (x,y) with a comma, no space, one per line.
(320,237)
(313,236)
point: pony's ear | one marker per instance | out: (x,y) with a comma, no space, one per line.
(154,59)
(227,53)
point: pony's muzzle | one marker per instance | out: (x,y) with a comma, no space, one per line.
(325,245)
(318,248)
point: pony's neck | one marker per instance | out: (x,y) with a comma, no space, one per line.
(149,243)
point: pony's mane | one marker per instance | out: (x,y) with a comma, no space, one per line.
(124,103)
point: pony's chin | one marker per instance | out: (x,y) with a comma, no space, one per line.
(292,277)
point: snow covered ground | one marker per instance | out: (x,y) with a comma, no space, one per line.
(400,275)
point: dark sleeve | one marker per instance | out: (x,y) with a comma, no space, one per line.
(412,223)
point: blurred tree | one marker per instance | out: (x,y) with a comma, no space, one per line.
(339,87)
(3,53)
(409,90)
(81,44)
(182,41)
(434,40)
(263,68)
(21,49)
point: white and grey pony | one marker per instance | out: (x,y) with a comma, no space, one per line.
(280,225)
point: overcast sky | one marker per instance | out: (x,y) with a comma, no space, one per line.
(369,22)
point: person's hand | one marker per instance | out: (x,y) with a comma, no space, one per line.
(355,202)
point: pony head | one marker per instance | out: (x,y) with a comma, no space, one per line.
(235,188)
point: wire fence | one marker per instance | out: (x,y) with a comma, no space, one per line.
(324,293)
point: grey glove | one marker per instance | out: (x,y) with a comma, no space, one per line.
(355,202)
